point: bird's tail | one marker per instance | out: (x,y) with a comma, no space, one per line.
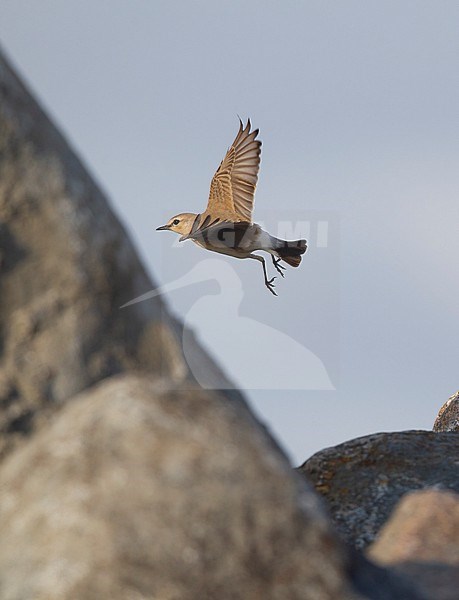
(289,251)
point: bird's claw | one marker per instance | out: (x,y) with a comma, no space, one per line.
(270,285)
(279,268)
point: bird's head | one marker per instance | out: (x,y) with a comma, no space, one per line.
(181,224)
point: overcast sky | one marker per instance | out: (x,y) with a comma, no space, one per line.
(357,105)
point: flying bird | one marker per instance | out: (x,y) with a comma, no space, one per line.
(226,225)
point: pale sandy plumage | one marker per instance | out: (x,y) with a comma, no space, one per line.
(226,224)
(233,186)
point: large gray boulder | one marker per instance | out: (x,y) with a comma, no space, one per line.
(66,267)
(362,480)
(137,490)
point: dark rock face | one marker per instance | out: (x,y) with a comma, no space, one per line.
(362,480)
(378,583)
(421,541)
(137,490)
(448,416)
(66,266)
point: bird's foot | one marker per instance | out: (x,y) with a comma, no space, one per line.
(270,285)
(279,268)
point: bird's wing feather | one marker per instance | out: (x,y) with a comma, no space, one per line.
(233,185)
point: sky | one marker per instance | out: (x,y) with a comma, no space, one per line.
(357,105)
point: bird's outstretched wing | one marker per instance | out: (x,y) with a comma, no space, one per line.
(233,185)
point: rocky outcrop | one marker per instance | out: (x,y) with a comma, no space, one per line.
(421,541)
(424,527)
(66,266)
(138,490)
(448,416)
(368,484)
(363,480)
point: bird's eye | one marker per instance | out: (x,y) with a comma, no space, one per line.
(175,222)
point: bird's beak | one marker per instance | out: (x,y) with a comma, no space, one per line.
(164,227)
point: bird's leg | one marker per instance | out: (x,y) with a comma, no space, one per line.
(268,282)
(279,268)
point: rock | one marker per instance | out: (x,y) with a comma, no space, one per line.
(434,581)
(421,540)
(448,416)
(137,490)
(423,527)
(362,480)
(377,583)
(66,267)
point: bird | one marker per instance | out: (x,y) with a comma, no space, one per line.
(226,225)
